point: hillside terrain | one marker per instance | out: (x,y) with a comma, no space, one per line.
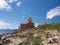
(46,34)
(40,36)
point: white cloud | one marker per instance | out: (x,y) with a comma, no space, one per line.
(18,3)
(15,0)
(11,1)
(4,25)
(4,5)
(53,12)
(36,24)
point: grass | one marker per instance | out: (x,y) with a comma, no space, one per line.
(33,40)
(37,40)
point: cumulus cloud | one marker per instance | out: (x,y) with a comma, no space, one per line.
(18,3)
(4,5)
(36,24)
(10,1)
(53,12)
(4,25)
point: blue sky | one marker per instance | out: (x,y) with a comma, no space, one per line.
(13,12)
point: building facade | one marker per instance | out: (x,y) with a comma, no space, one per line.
(27,25)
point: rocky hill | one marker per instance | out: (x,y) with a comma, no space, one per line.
(42,35)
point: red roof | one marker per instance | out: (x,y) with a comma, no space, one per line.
(24,23)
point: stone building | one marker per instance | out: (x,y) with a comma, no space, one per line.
(27,25)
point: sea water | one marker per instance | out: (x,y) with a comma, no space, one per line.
(4,31)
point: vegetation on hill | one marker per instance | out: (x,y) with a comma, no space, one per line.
(32,40)
(49,26)
(37,40)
